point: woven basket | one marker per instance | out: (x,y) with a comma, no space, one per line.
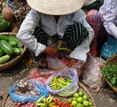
(13,62)
(8,102)
(112,61)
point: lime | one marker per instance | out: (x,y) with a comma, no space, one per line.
(90,104)
(81,93)
(85,97)
(79,105)
(85,103)
(74,99)
(69,100)
(79,99)
(74,103)
(76,95)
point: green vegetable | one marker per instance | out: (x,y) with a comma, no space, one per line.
(6,47)
(17,51)
(4,37)
(4,59)
(110,73)
(12,38)
(21,49)
(3,24)
(40,99)
(1,53)
(13,43)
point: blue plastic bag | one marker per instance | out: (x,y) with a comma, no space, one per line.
(109,48)
(38,86)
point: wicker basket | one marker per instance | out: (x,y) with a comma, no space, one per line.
(112,60)
(13,62)
(8,102)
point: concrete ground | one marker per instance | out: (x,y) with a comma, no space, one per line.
(104,98)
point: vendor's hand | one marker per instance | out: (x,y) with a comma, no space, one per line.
(51,51)
(72,62)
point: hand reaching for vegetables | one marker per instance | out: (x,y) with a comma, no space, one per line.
(51,51)
(72,62)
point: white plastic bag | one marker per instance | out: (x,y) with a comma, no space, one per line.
(91,72)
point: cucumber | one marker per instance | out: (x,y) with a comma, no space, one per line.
(2,37)
(13,43)
(6,47)
(4,59)
(1,52)
(17,51)
(12,38)
(21,49)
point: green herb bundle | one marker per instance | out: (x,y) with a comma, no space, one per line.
(110,73)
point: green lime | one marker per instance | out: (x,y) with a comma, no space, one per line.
(76,95)
(69,100)
(85,103)
(74,99)
(79,105)
(90,104)
(81,93)
(74,103)
(79,99)
(85,97)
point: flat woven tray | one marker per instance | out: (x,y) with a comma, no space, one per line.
(8,102)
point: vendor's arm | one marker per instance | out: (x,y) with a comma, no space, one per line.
(81,51)
(110,13)
(26,30)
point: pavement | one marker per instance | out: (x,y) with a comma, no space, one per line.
(103,98)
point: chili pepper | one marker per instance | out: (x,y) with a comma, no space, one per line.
(56,101)
(40,99)
(60,105)
(58,47)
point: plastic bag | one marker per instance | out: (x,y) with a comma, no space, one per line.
(54,63)
(38,86)
(91,72)
(109,48)
(69,89)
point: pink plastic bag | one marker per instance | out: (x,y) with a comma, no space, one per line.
(91,72)
(41,74)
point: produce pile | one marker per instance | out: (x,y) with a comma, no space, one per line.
(110,73)
(59,82)
(3,24)
(80,100)
(9,48)
(25,89)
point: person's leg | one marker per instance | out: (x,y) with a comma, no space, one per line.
(42,37)
(93,17)
(75,34)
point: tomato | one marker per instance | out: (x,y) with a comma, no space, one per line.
(79,99)
(90,104)
(81,93)
(74,103)
(85,103)
(85,97)
(76,95)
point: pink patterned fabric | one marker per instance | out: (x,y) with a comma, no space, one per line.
(93,17)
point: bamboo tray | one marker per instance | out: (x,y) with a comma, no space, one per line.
(111,60)
(13,62)
(8,102)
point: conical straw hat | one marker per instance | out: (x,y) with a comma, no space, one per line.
(56,7)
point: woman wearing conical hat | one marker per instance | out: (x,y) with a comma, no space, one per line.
(61,19)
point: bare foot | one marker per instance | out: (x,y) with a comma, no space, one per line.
(15,29)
